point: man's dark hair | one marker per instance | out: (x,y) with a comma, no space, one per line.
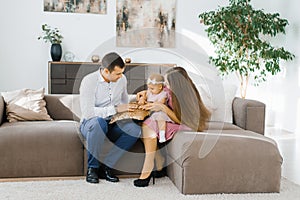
(111,60)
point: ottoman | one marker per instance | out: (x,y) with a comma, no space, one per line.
(225,161)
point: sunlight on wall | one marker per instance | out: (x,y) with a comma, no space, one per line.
(282,73)
(202,49)
(298,119)
(298,108)
(299,76)
(200,40)
(278,105)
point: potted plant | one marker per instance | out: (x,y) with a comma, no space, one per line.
(53,36)
(241,36)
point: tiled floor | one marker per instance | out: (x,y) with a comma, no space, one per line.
(289,147)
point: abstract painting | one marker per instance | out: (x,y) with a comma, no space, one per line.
(76,6)
(145,23)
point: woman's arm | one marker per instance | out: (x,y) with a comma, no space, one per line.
(163,100)
(171,114)
(157,106)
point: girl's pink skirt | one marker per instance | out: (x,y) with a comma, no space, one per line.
(171,128)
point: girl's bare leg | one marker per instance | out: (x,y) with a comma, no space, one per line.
(162,133)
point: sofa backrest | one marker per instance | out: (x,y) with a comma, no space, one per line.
(63,107)
(2,109)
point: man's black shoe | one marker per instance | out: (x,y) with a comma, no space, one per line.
(92,175)
(101,172)
(108,175)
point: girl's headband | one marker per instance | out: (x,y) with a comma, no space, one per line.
(154,82)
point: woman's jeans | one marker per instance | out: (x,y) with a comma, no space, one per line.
(123,134)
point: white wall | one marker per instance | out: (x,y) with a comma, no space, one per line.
(23,58)
(282,92)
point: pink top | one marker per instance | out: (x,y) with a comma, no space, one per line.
(156,97)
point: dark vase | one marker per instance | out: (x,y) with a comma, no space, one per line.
(56,52)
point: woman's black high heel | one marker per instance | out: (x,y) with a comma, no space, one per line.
(144,182)
(161,173)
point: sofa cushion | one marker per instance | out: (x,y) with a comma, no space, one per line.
(63,107)
(216,96)
(2,108)
(218,99)
(205,142)
(40,148)
(25,105)
(215,125)
(231,161)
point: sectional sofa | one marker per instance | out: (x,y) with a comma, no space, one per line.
(227,158)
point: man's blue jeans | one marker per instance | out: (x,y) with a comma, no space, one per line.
(123,134)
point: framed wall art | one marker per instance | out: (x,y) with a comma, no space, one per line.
(76,6)
(144,23)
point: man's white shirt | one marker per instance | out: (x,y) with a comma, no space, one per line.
(99,98)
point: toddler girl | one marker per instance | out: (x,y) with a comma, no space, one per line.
(156,93)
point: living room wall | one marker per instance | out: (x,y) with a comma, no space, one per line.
(24,59)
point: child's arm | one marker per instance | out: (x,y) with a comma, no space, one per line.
(164,98)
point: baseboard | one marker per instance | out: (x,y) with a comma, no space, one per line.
(56,178)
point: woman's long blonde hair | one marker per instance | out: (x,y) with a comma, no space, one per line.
(187,103)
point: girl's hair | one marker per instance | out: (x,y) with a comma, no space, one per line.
(187,103)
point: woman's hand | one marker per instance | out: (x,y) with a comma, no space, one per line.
(155,106)
(158,106)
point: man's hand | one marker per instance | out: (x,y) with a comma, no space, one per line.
(141,95)
(126,107)
(142,101)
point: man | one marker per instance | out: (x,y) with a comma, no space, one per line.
(102,94)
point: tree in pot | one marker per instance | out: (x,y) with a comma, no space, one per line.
(239,34)
(53,36)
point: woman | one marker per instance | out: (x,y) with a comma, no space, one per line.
(185,108)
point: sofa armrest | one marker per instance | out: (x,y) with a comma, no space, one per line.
(249,114)
(2,109)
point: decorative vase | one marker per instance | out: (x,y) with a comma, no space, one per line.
(56,52)
(95,58)
(127,60)
(69,56)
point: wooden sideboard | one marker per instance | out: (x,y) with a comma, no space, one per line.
(65,77)
(138,73)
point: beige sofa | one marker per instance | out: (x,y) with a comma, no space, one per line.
(227,158)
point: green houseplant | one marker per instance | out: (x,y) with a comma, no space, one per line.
(240,36)
(53,36)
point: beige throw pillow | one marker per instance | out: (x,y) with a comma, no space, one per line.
(25,105)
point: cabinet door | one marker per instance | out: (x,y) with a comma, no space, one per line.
(135,75)
(138,73)
(65,77)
